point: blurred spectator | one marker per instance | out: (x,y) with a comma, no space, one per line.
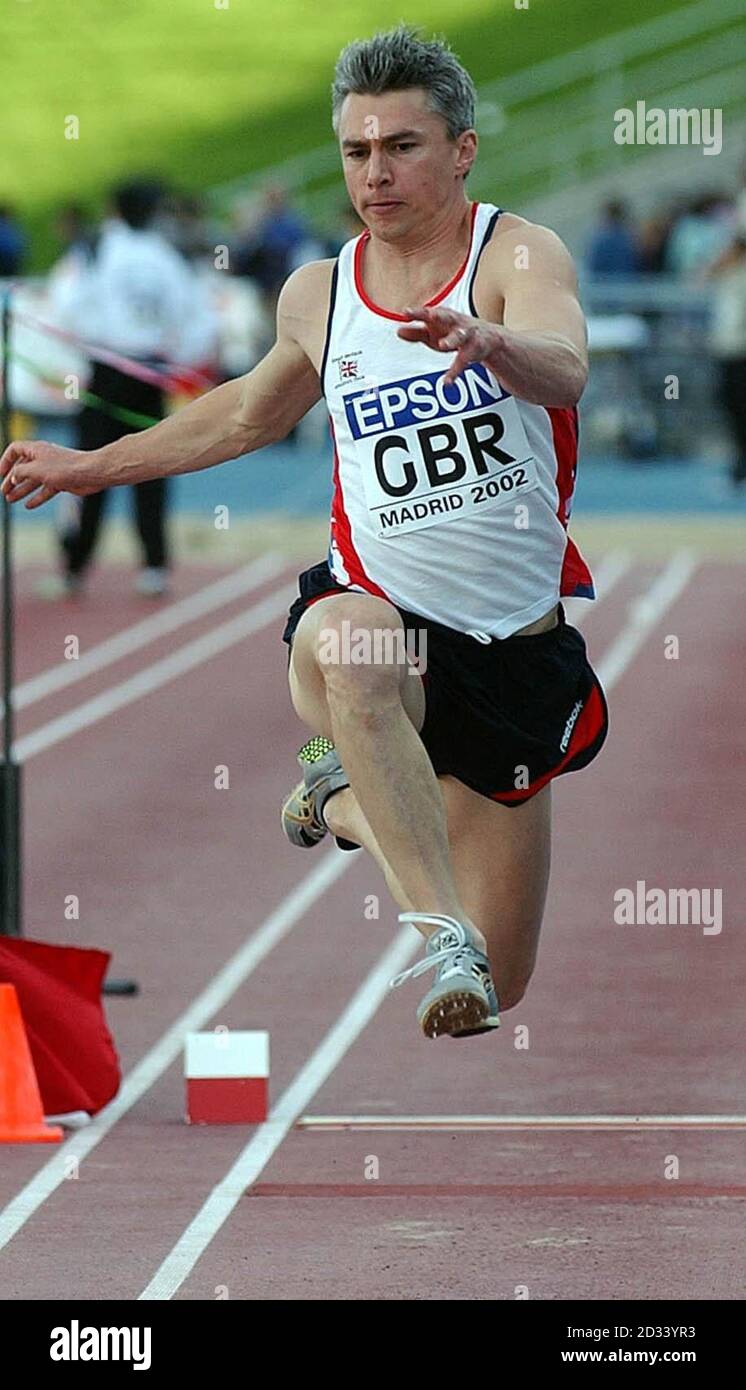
(312,248)
(268,249)
(12,243)
(612,249)
(244,330)
(699,236)
(728,343)
(135,295)
(654,235)
(319,245)
(740,203)
(75,230)
(185,222)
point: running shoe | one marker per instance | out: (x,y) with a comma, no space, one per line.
(54,586)
(152,582)
(462,1001)
(303,810)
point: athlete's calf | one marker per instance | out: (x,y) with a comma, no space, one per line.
(373,710)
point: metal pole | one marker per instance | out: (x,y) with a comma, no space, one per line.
(10,772)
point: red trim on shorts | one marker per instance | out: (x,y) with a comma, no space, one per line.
(342,533)
(326,594)
(360,245)
(585,733)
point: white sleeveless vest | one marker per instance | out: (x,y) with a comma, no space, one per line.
(452,503)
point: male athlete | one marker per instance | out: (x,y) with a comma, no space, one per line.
(450,347)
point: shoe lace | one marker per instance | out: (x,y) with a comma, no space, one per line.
(454,938)
(305,813)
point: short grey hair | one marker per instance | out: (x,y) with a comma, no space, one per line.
(397,59)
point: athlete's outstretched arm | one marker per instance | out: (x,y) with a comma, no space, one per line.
(236,418)
(539,351)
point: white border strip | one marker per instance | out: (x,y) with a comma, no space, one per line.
(519,1122)
(215,1211)
(167,620)
(152,677)
(169,1048)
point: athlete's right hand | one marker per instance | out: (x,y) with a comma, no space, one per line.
(38,471)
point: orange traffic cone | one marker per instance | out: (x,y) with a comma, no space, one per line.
(21,1115)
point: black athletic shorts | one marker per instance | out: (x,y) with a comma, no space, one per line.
(504,716)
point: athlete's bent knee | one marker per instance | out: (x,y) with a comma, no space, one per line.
(349,651)
(360,648)
(350,622)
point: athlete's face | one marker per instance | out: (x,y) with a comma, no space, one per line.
(400,166)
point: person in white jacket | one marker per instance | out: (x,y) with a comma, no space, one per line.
(137,296)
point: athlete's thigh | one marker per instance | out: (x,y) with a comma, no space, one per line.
(305,677)
(501,859)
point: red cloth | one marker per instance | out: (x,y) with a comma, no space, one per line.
(59,991)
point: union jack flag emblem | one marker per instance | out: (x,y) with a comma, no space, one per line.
(348,367)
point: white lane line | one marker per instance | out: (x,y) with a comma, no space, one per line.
(519,1122)
(152,677)
(169,1047)
(645,612)
(217,1208)
(141,634)
(257,1153)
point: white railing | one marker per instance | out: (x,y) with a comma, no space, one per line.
(535,130)
(585,145)
(601,56)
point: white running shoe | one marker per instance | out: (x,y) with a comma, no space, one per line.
(462,1001)
(151,582)
(54,586)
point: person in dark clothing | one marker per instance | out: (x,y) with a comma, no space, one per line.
(265,253)
(613,246)
(135,295)
(96,429)
(728,345)
(12,244)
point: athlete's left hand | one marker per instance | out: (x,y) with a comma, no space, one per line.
(473,340)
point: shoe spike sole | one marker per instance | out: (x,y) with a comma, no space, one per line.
(453,1014)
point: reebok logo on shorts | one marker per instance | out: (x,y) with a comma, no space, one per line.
(570,725)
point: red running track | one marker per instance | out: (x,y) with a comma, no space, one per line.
(175,876)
